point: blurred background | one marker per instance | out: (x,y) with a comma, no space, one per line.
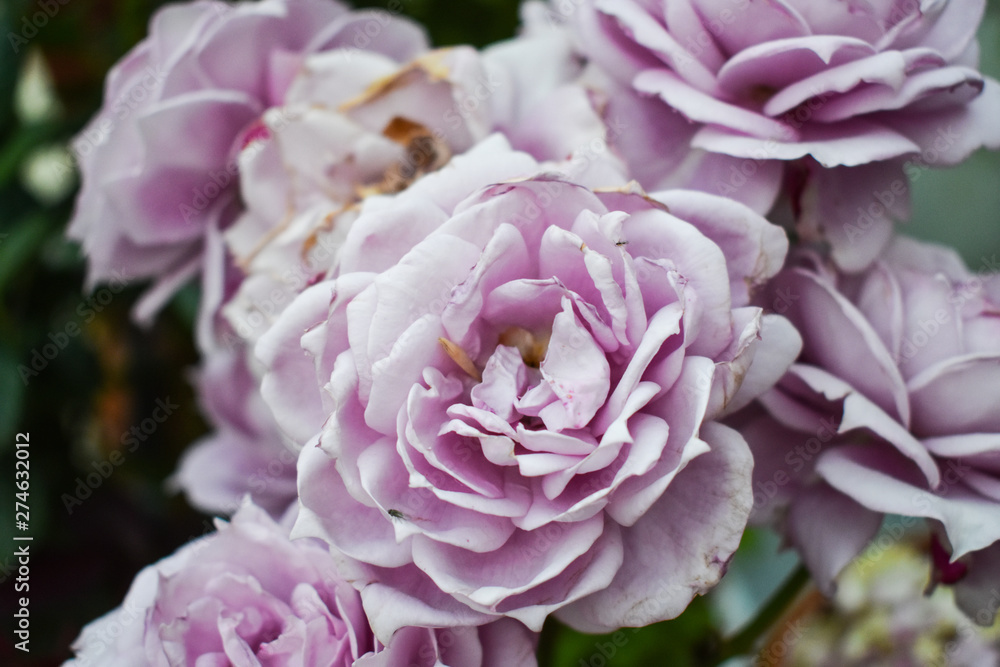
(96,523)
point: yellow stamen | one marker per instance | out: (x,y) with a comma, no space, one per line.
(459,356)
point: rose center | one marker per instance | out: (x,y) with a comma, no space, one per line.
(531,346)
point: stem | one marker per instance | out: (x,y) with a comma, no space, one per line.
(777,606)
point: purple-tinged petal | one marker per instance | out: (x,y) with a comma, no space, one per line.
(958,395)
(661,43)
(767,357)
(851,143)
(660,574)
(363,533)
(874,477)
(853,209)
(755,249)
(781,62)
(886,69)
(837,337)
(297,406)
(948,136)
(703,108)
(829,530)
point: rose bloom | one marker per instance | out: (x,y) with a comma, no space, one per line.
(247,596)
(891,409)
(829,102)
(158,160)
(351,124)
(507,393)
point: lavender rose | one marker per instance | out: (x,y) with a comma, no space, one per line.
(507,395)
(350,124)
(246,595)
(891,409)
(821,99)
(157,161)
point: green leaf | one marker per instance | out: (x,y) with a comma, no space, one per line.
(686,641)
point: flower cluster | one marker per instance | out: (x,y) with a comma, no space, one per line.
(501,335)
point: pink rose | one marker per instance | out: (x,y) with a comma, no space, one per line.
(827,101)
(891,409)
(157,161)
(247,596)
(506,395)
(350,124)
